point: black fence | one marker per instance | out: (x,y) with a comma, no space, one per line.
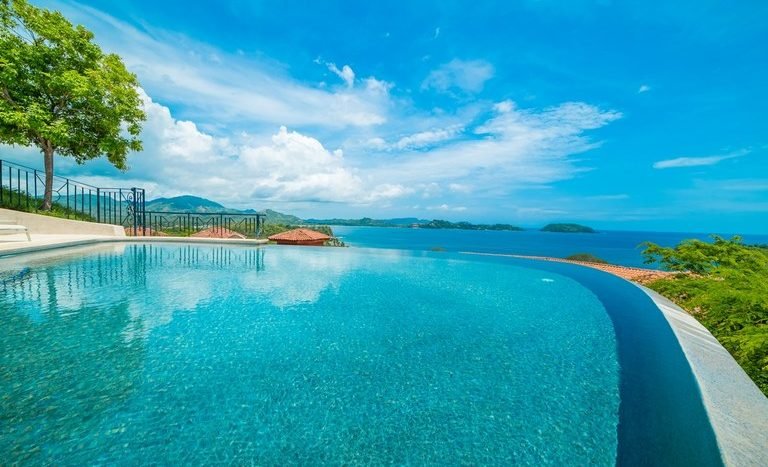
(22,188)
(216,225)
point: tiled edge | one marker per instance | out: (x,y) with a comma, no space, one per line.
(736,407)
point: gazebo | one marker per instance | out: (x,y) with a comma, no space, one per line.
(300,237)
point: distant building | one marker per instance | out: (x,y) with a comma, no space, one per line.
(300,237)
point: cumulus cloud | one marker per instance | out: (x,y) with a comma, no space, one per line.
(180,158)
(679,162)
(465,75)
(643,88)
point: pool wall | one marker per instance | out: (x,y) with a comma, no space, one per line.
(737,409)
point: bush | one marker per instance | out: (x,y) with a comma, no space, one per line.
(725,289)
(587,257)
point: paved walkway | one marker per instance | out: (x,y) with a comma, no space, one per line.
(639,275)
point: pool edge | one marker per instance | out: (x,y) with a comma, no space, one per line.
(79,241)
(737,409)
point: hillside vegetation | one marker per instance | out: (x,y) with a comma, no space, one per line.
(587,257)
(726,289)
(567,228)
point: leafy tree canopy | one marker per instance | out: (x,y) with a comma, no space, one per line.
(61,93)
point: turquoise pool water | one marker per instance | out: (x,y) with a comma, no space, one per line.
(172,353)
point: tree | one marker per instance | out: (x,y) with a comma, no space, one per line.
(61,93)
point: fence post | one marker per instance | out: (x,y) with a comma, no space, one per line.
(98,205)
(133,210)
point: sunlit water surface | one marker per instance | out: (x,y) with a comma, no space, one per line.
(134,353)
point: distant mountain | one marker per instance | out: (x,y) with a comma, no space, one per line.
(189,203)
(441,224)
(368,222)
(412,222)
(186,203)
(567,228)
(274,217)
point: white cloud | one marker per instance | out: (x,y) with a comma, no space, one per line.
(219,86)
(643,88)
(427,138)
(447,208)
(437,33)
(697,161)
(179,158)
(459,188)
(466,75)
(504,106)
(519,148)
(345,73)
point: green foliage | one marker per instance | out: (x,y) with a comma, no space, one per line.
(274,217)
(588,257)
(567,228)
(186,203)
(22,201)
(442,224)
(727,291)
(61,93)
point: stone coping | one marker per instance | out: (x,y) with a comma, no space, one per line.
(50,242)
(737,409)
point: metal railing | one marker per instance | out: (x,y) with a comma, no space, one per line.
(23,188)
(218,225)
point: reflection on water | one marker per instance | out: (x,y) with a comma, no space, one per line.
(149,281)
(209,354)
(72,346)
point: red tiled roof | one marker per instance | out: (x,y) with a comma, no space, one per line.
(300,235)
(218,232)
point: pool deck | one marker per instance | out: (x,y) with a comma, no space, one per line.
(16,244)
(737,409)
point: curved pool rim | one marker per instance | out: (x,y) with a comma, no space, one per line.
(735,408)
(585,276)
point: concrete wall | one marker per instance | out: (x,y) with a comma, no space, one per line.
(38,224)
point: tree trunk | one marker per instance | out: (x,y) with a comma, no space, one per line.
(48,196)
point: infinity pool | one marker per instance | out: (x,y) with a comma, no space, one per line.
(172,353)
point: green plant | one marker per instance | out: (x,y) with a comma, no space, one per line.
(61,93)
(723,284)
(586,257)
(21,201)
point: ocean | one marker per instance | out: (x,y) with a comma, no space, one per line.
(617,247)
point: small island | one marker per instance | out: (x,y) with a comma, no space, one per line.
(442,224)
(567,228)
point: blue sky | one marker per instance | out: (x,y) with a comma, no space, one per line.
(623,115)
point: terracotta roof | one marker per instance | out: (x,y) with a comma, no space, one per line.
(218,232)
(300,235)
